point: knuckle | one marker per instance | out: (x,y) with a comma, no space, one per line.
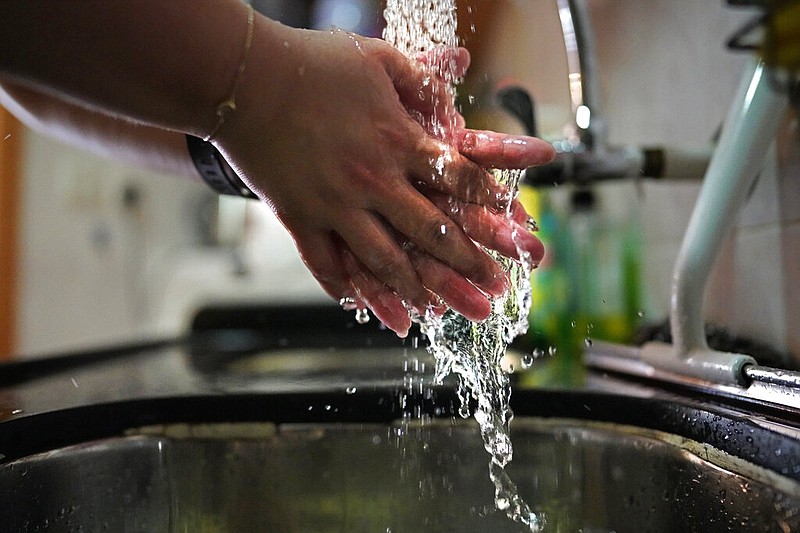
(393,271)
(399,275)
(476,265)
(438,231)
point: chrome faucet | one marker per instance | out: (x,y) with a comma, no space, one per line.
(583,155)
(587,131)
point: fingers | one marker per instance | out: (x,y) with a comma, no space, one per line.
(446,62)
(459,294)
(504,233)
(374,245)
(442,168)
(414,216)
(455,291)
(423,86)
(498,150)
(341,276)
(385,304)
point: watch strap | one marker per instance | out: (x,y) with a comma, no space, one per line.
(214,170)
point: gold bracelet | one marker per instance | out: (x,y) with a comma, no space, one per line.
(227,107)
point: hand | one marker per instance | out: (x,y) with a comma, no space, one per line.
(505,232)
(332,148)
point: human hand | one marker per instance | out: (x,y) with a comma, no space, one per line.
(380,210)
(506,232)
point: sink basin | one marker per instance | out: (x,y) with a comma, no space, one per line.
(254,476)
(258,431)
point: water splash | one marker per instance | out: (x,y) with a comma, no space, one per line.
(471,350)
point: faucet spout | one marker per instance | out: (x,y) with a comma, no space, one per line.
(586,132)
(583,155)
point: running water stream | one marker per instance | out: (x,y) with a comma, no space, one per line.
(471,350)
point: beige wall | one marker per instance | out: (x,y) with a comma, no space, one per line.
(93,266)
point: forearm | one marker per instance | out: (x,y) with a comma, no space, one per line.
(156,149)
(166,64)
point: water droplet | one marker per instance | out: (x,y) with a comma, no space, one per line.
(502,503)
(351,390)
(362,315)
(640,313)
(573,323)
(552,351)
(588,342)
(347,303)
(443,229)
(527,361)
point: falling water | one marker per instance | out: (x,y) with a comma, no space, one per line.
(470,350)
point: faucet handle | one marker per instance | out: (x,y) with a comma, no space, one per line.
(517,101)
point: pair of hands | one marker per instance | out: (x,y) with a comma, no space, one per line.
(384,211)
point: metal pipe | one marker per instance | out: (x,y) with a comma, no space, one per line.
(588,131)
(583,155)
(750,128)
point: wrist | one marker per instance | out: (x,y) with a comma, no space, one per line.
(265,94)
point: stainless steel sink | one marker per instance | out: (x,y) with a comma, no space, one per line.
(181,438)
(254,477)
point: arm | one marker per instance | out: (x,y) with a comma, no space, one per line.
(322,132)
(146,146)
(165,64)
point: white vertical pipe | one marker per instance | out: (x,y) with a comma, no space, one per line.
(751,126)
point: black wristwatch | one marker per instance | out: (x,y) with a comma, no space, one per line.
(215,171)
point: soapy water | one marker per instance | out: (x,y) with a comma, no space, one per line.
(471,350)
